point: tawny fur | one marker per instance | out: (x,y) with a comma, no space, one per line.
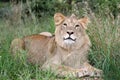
(46,34)
(64,55)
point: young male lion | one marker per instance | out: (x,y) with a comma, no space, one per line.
(65,53)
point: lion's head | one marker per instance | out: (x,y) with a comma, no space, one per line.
(70,31)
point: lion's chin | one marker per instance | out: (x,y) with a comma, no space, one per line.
(69,42)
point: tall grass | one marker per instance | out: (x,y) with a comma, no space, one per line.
(105,36)
(104,33)
(13,69)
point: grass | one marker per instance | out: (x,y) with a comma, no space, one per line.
(105,51)
(105,37)
(3,4)
(12,69)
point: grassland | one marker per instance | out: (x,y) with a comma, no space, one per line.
(105,51)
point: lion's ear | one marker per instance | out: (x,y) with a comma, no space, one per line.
(59,18)
(84,22)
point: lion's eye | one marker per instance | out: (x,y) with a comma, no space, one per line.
(65,24)
(76,26)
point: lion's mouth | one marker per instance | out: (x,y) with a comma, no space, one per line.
(69,38)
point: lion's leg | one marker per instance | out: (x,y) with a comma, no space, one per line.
(16,46)
(88,70)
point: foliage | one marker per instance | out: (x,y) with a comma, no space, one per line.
(105,6)
(42,7)
(49,7)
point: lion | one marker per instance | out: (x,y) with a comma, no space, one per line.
(65,52)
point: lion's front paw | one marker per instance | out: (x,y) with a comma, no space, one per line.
(97,73)
(83,73)
(89,73)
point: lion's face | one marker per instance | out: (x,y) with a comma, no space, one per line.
(69,30)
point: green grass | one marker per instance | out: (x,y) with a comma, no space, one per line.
(104,54)
(3,4)
(13,69)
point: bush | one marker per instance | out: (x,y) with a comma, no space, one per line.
(40,7)
(49,7)
(105,7)
(102,7)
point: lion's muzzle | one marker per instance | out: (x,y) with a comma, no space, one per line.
(69,38)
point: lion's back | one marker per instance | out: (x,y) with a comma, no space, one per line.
(37,48)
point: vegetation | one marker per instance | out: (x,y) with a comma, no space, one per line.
(104,32)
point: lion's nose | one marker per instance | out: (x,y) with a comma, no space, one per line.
(70,33)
